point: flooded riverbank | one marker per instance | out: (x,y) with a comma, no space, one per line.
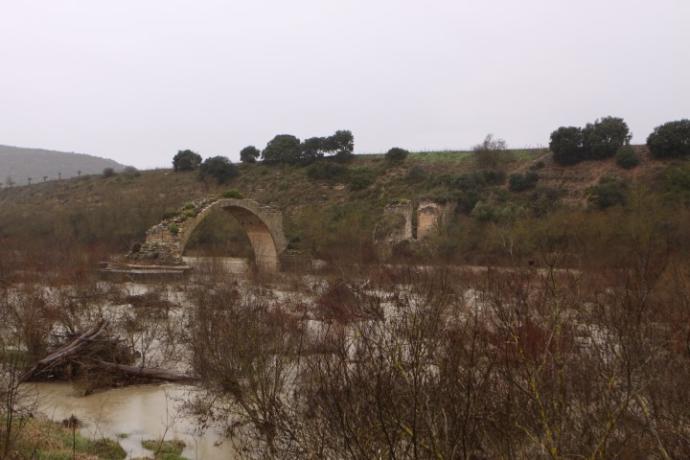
(131,415)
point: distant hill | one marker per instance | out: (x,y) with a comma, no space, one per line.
(19,164)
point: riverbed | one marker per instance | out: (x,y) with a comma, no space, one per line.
(131,415)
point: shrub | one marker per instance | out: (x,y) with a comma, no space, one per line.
(326,170)
(360,182)
(537,166)
(544,200)
(489,153)
(396,155)
(626,157)
(312,149)
(484,212)
(609,192)
(670,140)
(567,145)
(108,172)
(675,183)
(361,178)
(467,182)
(467,201)
(477,180)
(249,154)
(416,174)
(186,160)
(233,193)
(343,156)
(340,302)
(130,171)
(342,143)
(220,168)
(441,196)
(284,148)
(167,450)
(174,229)
(493,177)
(603,138)
(102,448)
(522,182)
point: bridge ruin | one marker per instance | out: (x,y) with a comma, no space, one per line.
(166,242)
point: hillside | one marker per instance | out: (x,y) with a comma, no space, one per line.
(18,164)
(332,217)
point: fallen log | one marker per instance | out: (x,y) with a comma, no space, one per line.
(60,355)
(83,350)
(149,373)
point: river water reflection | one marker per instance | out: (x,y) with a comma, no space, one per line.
(130,415)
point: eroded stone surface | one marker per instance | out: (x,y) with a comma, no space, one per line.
(430,217)
(398,223)
(402,230)
(165,242)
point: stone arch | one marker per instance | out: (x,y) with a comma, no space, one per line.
(167,241)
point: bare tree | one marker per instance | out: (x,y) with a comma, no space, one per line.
(491,153)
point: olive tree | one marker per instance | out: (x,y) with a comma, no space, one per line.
(567,145)
(603,138)
(670,140)
(283,148)
(249,154)
(219,168)
(397,155)
(186,160)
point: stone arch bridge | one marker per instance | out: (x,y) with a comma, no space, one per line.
(165,242)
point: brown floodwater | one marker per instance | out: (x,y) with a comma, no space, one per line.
(130,415)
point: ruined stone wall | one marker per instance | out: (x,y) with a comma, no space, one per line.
(431,216)
(398,223)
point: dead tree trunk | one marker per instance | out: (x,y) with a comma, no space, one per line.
(149,373)
(61,355)
(79,347)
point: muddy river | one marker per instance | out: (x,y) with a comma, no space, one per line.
(135,413)
(130,415)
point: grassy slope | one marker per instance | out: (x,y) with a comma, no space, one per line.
(47,440)
(123,207)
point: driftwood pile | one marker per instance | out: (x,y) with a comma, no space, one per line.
(91,350)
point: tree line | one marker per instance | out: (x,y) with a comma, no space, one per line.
(610,137)
(282,149)
(605,138)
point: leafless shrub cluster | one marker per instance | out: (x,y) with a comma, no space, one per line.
(491,153)
(508,364)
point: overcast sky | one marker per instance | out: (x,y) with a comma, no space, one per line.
(138,80)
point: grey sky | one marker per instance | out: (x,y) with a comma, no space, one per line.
(137,80)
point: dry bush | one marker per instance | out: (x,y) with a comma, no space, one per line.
(243,352)
(343,302)
(499,364)
(491,153)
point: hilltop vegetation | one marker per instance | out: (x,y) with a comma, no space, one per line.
(522,200)
(18,166)
(502,206)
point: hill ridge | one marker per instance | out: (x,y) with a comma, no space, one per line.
(18,165)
